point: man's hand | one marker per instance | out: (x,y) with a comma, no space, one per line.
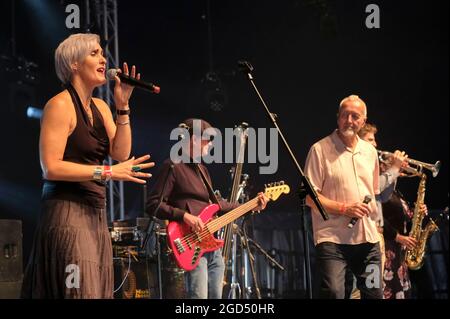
(358,210)
(399,160)
(194,222)
(262,202)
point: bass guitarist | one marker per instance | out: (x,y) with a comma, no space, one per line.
(185,189)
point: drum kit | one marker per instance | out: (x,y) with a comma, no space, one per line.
(163,278)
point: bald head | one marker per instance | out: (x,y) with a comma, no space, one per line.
(354,101)
(352,116)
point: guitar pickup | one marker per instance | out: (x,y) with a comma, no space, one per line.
(188,243)
(179,245)
(196,253)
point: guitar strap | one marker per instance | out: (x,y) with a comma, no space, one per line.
(212,196)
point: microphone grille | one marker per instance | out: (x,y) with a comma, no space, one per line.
(111,74)
(367,199)
(183,125)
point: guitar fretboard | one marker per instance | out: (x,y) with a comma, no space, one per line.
(223,220)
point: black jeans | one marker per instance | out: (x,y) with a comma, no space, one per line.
(364,260)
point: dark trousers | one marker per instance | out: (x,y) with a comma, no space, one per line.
(364,261)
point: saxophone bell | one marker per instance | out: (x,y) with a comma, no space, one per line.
(415,257)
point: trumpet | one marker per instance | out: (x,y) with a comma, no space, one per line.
(415,167)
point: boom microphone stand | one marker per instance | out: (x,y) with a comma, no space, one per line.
(247,68)
(153,227)
(246,241)
(251,259)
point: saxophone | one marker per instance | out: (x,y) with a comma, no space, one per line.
(415,257)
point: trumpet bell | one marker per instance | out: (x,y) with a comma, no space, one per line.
(436,168)
(415,167)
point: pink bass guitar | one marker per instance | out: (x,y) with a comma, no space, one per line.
(188,246)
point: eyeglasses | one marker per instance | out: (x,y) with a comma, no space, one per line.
(355,116)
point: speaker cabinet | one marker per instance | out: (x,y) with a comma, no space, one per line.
(11,270)
(135,279)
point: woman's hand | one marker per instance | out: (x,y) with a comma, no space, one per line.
(408,242)
(130,170)
(423,209)
(122,91)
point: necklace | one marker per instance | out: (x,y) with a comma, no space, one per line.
(88,111)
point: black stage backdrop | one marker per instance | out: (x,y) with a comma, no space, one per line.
(307,55)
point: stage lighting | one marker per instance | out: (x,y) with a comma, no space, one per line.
(34,113)
(215,97)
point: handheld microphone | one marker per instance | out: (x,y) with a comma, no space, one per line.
(183,126)
(133,82)
(353,221)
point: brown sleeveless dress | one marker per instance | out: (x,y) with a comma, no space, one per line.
(71,255)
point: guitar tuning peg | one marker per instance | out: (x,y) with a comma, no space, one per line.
(282,182)
(265,185)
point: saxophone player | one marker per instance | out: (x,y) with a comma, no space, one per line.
(394,217)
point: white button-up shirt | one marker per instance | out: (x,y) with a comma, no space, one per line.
(344,175)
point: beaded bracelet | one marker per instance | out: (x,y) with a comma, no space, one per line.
(107,173)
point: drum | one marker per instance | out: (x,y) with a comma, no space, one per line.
(173,281)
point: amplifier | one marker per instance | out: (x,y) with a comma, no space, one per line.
(135,279)
(10,258)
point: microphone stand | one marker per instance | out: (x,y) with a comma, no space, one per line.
(273,263)
(153,227)
(246,241)
(158,256)
(307,262)
(251,259)
(266,254)
(247,68)
(234,284)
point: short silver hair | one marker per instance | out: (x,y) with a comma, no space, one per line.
(353,97)
(73,49)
